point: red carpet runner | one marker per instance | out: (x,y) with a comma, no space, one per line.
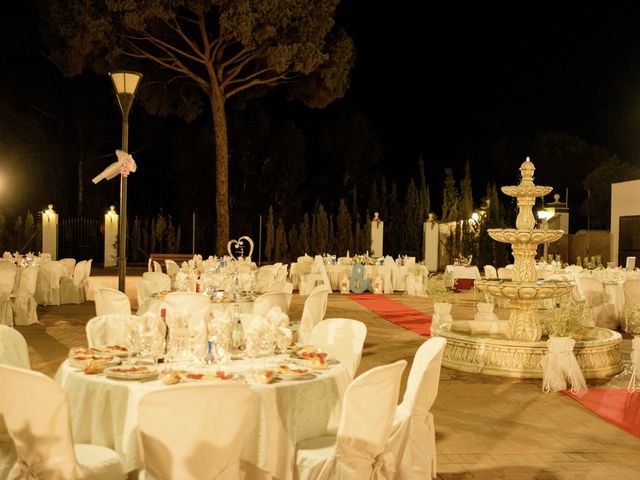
(615,405)
(395,312)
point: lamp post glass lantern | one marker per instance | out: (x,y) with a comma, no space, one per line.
(125,84)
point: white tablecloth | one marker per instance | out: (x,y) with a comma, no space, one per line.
(155,304)
(453,272)
(337,272)
(104,412)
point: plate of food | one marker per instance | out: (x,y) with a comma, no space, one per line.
(207,376)
(292,371)
(115,350)
(80,358)
(137,372)
(264,376)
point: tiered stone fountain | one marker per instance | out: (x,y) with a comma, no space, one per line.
(514,348)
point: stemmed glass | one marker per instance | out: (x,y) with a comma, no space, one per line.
(283,340)
(252,349)
(219,339)
(265,346)
(133,339)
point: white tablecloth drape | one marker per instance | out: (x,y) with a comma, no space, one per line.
(105,412)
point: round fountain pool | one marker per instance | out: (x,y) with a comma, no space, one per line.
(483,347)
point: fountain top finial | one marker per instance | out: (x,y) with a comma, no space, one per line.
(526,172)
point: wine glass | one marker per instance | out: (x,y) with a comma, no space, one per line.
(252,349)
(283,340)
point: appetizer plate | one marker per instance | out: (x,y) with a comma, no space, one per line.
(131,373)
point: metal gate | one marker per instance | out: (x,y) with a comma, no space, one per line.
(82,239)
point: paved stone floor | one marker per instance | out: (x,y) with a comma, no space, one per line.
(486,427)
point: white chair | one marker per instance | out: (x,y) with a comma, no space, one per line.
(631,290)
(145,289)
(72,290)
(41,432)
(282,273)
(13,348)
(48,283)
(490,272)
(196,307)
(69,265)
(315,307)
(341,338)
(359,447)
(109,329)
(157,267)
(600,313)
(109,300)
(413,437)
(24,302)
(265,277)
(162,280)
(193,432)
(264,302)
(172,267)
(7,282)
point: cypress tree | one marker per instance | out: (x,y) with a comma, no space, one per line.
(281,247)
(294,242)
(466,204)
(449,197)
(269,236)
(423,193)
(411,218)
(321,233)
(305,232)
(345,238)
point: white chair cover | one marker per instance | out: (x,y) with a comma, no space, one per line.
(69,266)
(505,273)
(41,432)
(490,272)
(13,348)
(157,267)
(162,280)
(7,281)
(109,300)
(196,307)
(358,451)
(601,313)
(265,277)
(109,329)
(145,289)
(413,439)
(263,303)
(24,303)
(48,284)
(201,426)
(341,338)
(172,267)
(72,290)
(282,273)
(315,307)
(560,364)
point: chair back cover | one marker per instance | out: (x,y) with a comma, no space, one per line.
(282,273)
(7,281)
(79,272)
(315,306)
(157,267)
(24,303)
(264,302)
(48,283)
(145,289)
(413,440)
(341,338)
(162,280)
(592,290)
(40,429)
(111,329)
(201,441)
(88,267)
(109,300)
(69,266)
(13,348)
(368,408)
(490,271)
(172,267)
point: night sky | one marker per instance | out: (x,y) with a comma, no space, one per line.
(446,83)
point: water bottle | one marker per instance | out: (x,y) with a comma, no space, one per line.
(237,334)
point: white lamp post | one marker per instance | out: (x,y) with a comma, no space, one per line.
(125,84)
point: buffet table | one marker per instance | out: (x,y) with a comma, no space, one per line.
(453,273)
(105,412)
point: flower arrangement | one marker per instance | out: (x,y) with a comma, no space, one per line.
(364,259)
(463,261)
(566,320)
(437,290)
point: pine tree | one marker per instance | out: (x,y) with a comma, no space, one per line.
(450,197)
(305,232)
(170,236)
(29,232)
(281,247)
(331,244)
(423,193)
(294,242)
(321,233)
(411,219)
(466,204)
(366,235)
(344,235)
(270,236)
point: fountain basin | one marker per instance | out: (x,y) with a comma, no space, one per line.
(526,189)
(523,290)
(483,347)
(524,237)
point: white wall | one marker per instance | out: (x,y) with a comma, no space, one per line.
(625,201)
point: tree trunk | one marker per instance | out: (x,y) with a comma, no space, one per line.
(222,170)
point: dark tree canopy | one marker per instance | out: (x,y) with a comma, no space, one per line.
(195,53)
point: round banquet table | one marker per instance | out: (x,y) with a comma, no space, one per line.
(104,412)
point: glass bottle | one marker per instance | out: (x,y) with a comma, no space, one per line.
(237,333)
